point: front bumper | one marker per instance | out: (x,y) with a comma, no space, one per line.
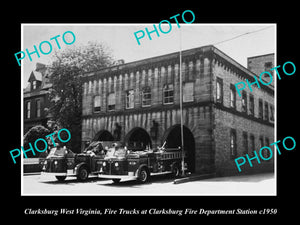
(130,175)
(68,173)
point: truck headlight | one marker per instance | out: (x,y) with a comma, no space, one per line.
(116,164)
(55,162)
(104,164)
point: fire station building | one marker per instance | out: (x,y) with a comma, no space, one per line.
(139,103)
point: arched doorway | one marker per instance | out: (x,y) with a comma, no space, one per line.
(138,138)
(103,135)
(172,137)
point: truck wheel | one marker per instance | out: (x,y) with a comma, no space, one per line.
(60,178)
(143,175)
(175,171)
(116,181)
(82,174)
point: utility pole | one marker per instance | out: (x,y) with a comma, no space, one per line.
(181,99)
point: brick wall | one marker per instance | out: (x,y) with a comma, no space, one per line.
(225,119)
(257,63)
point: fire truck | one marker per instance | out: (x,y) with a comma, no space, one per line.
(122,163)
(62,162)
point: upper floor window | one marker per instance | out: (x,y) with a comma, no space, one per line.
(97,104)
(219,91)
(34,85)
(244,101)
(146,96)
(188,92)
(251,105)
(168,93)
(268,66)
(38,108)
(28,109)
(271,112)
(260,109)
(129,101)
(232,96)
(111,101)
(266,111)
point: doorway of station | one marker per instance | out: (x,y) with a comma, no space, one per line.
(103,135)
(138,139)
(172,139)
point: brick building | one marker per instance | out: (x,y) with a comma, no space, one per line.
(36,98)
(138,103)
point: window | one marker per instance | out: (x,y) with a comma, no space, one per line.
(111,101)
(97,104)
(271,112)
(252,144)
(129,101)
(168,94)
(245,142)
(28,106)
(34,85)
(266,152)
(233,143)
(244,101)
(38,108)
(219,90)
(266,111)
(188,92)
(268,66)
(146,96)
(261,142)
(232,96)
(251,105)
(260,109)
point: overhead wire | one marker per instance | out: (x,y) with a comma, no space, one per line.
(240,35)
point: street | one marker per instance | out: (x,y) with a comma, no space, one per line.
(260,184)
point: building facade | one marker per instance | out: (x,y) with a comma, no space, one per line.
(35,98)
(139,103)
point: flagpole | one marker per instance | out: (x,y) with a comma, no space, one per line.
(181,98)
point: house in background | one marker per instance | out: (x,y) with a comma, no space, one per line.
(35,98)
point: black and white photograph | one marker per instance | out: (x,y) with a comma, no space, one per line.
(159,116)
(130,112)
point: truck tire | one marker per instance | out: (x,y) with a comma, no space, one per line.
(60,178)
(83,174)
(143,175)
(175,170)
(116,181)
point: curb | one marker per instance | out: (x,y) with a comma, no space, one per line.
(194,178)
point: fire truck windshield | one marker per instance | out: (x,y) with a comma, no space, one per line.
(116,152)
(120,153)
(58,152)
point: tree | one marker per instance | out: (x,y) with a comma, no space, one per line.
(32,135)
(66,77)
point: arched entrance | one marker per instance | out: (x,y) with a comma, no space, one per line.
(103,135)
(172,137)
(137,138)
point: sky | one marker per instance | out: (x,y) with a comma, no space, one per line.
(238,41)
